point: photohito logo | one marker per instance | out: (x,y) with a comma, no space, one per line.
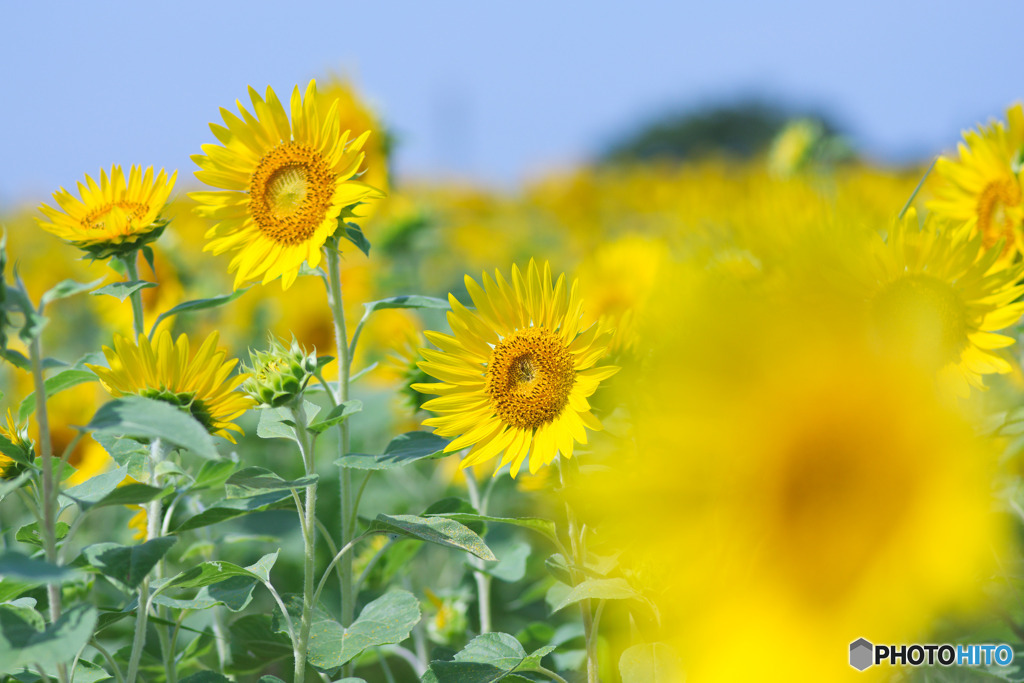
(863,654)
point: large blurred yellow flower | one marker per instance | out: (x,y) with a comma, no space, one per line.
(284,185)
(931,298)
(983,188)
(114,216)
(807,491)
(516,373)
(201,383)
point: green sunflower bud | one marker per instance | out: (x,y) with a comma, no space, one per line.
(279,374)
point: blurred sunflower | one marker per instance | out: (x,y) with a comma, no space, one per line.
(114,217)
(516,373)
(931,298)
(806,486)
(982,187)
(200,383)
(285,183)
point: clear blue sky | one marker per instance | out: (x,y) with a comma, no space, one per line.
(497,91)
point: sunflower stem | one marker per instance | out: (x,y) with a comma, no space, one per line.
(308,524)
(348,512)
(579,560)
(131,267)
(153,518)
(49,493)
(483,580)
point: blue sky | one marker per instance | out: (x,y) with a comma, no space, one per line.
(496,92)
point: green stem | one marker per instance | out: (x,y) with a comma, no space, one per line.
(49,501)
(550,674)
(153,518)
(118,676)
(483,580)
(308,524)
(129,261)
(348,512)
(579,560)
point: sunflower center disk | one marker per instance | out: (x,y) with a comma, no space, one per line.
(922,317)
(995,221)
(290,192)
(529,378)
(127,212)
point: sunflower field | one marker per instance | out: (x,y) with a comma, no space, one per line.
(277,418)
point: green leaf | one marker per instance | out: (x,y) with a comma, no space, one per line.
(230,508)
(146,418)
(128,564)
(511,566)
(488,658)
(438,530)
(242,483)
(122,290)
(338,414)
(209,573)
(213,474)
(205,677)
(93,490)
(53,385)
(544,527)
(254,644)
(403,449)
(14,565)
(9,486)
(599,589)
(650,663)
(19,360)
(386,620)
(198,305)
(133,494)
(407,301)
(277,423)
(22,645)
(354,234)
(30,533)
(63,290)
(559,568)
(127,453)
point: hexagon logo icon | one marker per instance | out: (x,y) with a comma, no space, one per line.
(861,654)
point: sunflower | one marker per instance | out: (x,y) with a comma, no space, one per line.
(807,485)
(284,185)
(983,187)
(114,217)
(931,298)
(167,371)
(17,436)
(516,373)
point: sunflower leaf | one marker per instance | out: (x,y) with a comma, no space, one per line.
(66,288)
(437,530)
(128,564)
(407,301)
(122,290)
(337,415)
(488,658)
(354,234)
(145,418)
(198,305)
(386,620)
(403,449)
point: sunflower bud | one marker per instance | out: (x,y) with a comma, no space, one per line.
(16,449)
(280,374)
